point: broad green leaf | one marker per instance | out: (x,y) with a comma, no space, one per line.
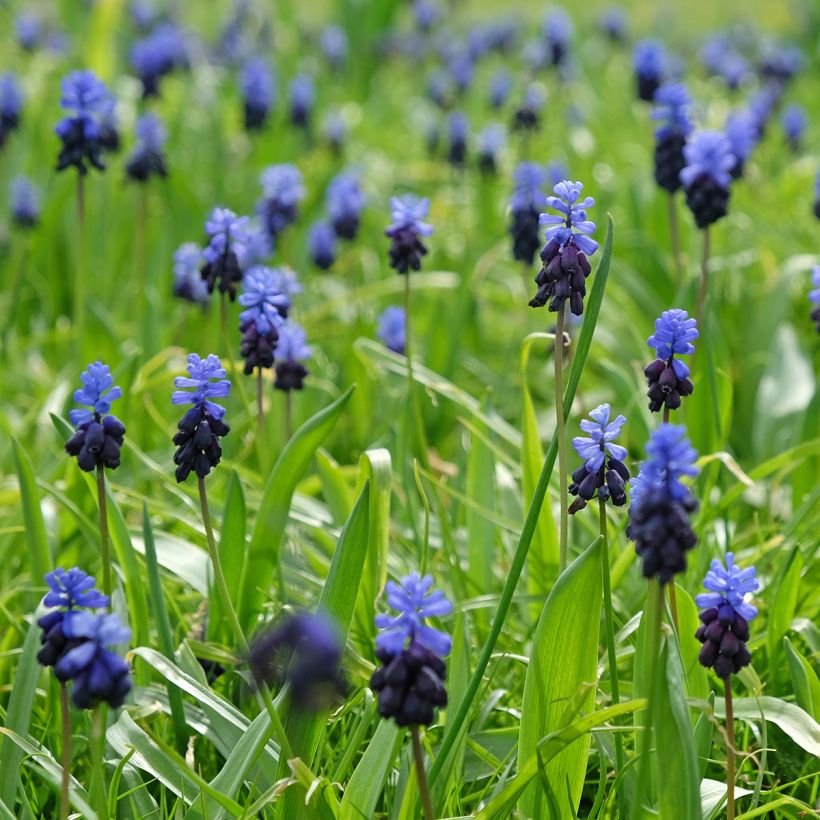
(695,677)
(675,756)
(336,490)
(712,792)
(783,609)
(564,656)
(18,713)
(481,533)
(40,559)
(804,678)
(188,562)
(269,528)
(319,801)
(703,737)
(367,781)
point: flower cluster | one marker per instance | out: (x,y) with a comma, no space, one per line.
(667,376)
(199,430)
(282,191)
(406,230)
(743,136)
(724,627)
(82,133)
(392,329)
(334,45)
(25,203)
(266,308)
(410,680)
(304,651)
(457,132)
(527,116)
(707,176)
(345,201)
(302,96)
(228,237)
(489,144)
(557,32)
(157,55)
(814,296)
(257,88)
(322,244)
(672,104)
(795,123)
(74,640)
(292,351)
(525,208)
(188,282)
(649,61)
(603,472)
(565,266)
(659,512)
(99,435)
(148,158)
(11,101)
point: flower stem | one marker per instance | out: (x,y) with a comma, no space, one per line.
(673,607)
(730,749)
(610,646)
(704,278)
(102,503)
(260,408)
(79,276)
(562,438)
(674,236)
(424,786)
(288,416)
(97,791)
(233,618)
(66,751)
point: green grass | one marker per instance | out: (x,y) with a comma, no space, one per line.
(353,499)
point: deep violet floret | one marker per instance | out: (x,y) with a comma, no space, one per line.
(148,158)
(406,230)
(707,176)
(292,352)
(671,110)
(228,236)
(667,375)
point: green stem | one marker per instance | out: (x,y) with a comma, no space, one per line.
(612,660)
(674,235)
(98,790)
(703,290)
(730,749)
(79,276)
(260,410)
(104,537)
(230,612)
(560,430)
(424,786)
(288,416)
(66,751)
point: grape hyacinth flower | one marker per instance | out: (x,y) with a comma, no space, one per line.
(25,203)
(157,55)
(199,430)
(667,376)
(11,102)
(257,247)
(724,627)
(143,14)
(461,67)
(321,242)
(28,31)
(525,207)
(649,61)
(603,472)
(148,158)
(612,22)
(781,62)
(528,116)
(817,195)
(410,680)
(672,103)
(742,134)
(82,132)
(228,237)
(557,31)
(457,132)
(265,310)
(334,129)
(334,45)
(489,143)
(406,230)
(391,329)
(426,14)
(795,122)
(292,351)
(188,283)
(707,176)
(814,296)
(282,191)
(659,518)
(761,106)
(344,201)
(500,85)
(304,651)
(565,265)
(257,88)
(69,593)
(99,435)
(301,96)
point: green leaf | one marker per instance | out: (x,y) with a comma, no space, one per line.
(481,532)
(697,681)
(564,656)
(675,756)
(783,609)
(335,488)
(801,727)
(269,528)
(593,307)
(367,781)
(231,555)
(18,714)
(40,559)
(712,792)
(804,678)
(703,737)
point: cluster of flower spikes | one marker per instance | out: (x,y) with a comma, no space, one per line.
(322,244)
(199,430)
(282,191)
(565,266)
(345,201)
(82,133)
(649,62)
(668,377)
(266,308)
(724,627)
(25,203)
(672,103)
(302,96)
(406,230)
(457,132)
(228,236)
(489,142)
(148,158)
(392,329)
(11,101)
(603,472)
(707,176)
(814,296)
(742,133)
(527,116)
(188,282)
(292,351)
(157,55)
(525,208)
(410,680)
(303,650)
(75,640)
(660,505)
(99,435)
(557,34)
(257,88)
